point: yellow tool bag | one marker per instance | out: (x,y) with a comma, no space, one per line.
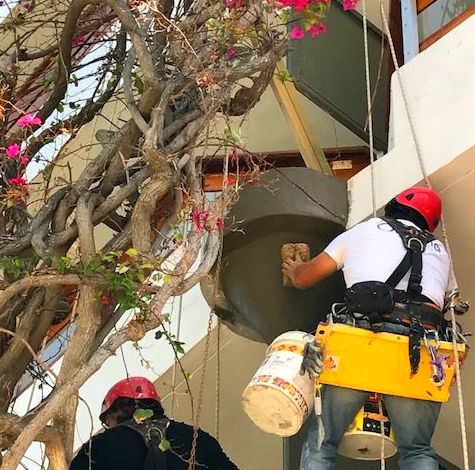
(378,362)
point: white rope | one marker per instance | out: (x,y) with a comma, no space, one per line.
(445,237)
(381,424)
(458,381)
(370,110)
(373,178)
(218,379)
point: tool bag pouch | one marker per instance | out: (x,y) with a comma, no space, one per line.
(370,297)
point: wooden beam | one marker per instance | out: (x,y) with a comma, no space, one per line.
(423,4)
(307,141)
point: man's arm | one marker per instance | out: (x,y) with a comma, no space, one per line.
(304,275)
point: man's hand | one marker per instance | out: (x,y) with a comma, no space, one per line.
(289,267)
(307,274)
(312,361)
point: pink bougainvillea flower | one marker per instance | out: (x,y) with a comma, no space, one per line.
(231,54)
(234,155)
(301,5)
(199,219)
(13,150)
(28,120)
(105,300)
(230,180)
(317,29)
(24,160)
(252,181)
(234,4)
(78,41)
(350,4)
(296,33)
(219,222)
(18,181)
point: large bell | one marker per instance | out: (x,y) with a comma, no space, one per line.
(290,205)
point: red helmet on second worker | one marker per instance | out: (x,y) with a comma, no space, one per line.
(134,387)
(425,201)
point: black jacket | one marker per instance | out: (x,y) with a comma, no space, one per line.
(122,448)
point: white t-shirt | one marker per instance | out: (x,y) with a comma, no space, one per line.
(371,251)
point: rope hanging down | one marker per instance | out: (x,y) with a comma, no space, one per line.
(370,107)
(444,236)
(373,178)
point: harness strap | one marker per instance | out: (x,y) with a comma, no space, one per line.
(153,432)
(400,271)
(416,334)
(415,242)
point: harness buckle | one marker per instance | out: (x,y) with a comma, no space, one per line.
(419,244)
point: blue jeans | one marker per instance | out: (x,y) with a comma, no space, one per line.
(413,422)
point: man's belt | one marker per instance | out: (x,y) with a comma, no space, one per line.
(429,315)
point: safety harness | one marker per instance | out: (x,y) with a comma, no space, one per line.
(153,432)
(380,303)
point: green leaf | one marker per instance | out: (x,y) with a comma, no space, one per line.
(60,107)
(232,135)
(147,265)
(167,278)
(122,268)
(141,415)
(132,252)
(158,334)
(138,83)
(178,346)
(164,445)
(284,76)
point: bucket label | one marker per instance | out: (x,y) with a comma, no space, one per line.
(330,363)
(293,348)
(282,369)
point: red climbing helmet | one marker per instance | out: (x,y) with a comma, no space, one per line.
(133,387)
(425,201)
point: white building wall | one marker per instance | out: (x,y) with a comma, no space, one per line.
(440,91)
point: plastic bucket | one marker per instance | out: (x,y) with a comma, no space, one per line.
(362,440)
(278,399)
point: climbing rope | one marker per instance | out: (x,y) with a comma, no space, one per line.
(445,238)
(381,424)
(370,107)
(373,178)
(218,379)
(196,418)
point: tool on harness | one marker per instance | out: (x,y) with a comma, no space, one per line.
(377,300)
(153,432)
(437,361)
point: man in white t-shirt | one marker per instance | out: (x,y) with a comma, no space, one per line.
(371,253)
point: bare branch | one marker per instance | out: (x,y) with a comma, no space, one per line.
(129,96)
(142,216)
(45,366)
(29,282)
